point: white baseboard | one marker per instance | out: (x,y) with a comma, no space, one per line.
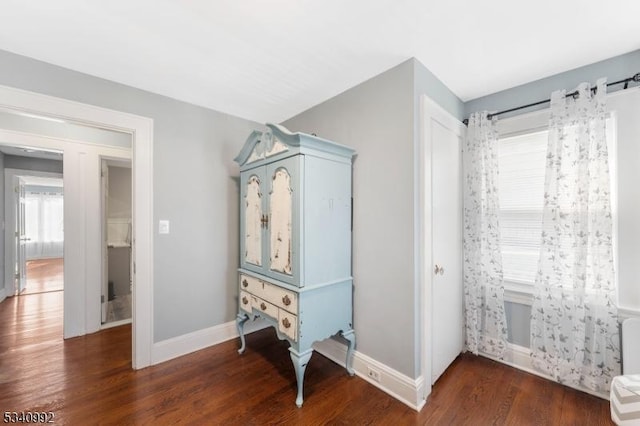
(404,389)
(3,294)
(191,342)
(520,358)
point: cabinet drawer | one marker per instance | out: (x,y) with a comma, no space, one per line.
(245,301)
(285,299)
(250,284)
(288,324)
(264,307)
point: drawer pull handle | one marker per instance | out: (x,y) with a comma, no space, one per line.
(245,284)
(286,323)
(263,306)
(244,300)
(286,300)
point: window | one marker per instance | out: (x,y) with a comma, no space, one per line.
(44,223)
(522,162)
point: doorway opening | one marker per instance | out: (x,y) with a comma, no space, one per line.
(41,245)
(116,242)
(82,297)
(34,220)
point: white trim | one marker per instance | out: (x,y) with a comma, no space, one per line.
(3,294)
(625,313)
(115,323)
(141,130)
(405,389)
(516,296)
(521,359)
(197,340)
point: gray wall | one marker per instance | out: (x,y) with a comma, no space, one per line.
(119,203)
(425,83)
(33,164)
(617,68)
(194,187)
(377,119)
(119,270)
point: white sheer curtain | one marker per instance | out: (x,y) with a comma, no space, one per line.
(44,221)
(574,330)
(486,326)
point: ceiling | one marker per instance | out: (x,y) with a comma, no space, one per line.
(269,60)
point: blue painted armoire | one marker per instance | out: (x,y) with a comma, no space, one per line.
(295,240)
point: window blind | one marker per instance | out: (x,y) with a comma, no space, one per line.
(521,162)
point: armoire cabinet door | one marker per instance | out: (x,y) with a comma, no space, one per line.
(281,257)
(252,216)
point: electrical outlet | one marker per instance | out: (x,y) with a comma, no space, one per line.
(374,374)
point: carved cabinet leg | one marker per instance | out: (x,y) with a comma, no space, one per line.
(240,320)
(351,339)
(300,361)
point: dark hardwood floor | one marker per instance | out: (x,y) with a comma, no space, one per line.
(89,380)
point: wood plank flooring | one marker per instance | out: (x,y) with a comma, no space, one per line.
(89,380)
(44,275)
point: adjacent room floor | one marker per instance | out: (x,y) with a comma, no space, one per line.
(89,380)
(44,275)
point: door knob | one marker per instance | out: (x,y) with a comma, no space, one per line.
(438,270)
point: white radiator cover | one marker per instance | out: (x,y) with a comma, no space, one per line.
(631,346)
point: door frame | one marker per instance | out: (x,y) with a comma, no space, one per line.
(141,131)
(423,223)
(10,201)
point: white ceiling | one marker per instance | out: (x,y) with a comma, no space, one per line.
(269,60)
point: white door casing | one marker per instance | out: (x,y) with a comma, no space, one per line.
(82,202)
(440,248)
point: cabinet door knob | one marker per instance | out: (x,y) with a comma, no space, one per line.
(286,323)
(263,306)
(286,300)
(245,284)
(245,301)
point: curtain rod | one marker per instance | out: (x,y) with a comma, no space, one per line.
(625,81)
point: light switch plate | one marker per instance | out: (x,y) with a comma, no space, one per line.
(163,226)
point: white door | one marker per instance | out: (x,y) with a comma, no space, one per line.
(21,238)
(443,135)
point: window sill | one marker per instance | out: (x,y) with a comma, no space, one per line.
(518,292)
